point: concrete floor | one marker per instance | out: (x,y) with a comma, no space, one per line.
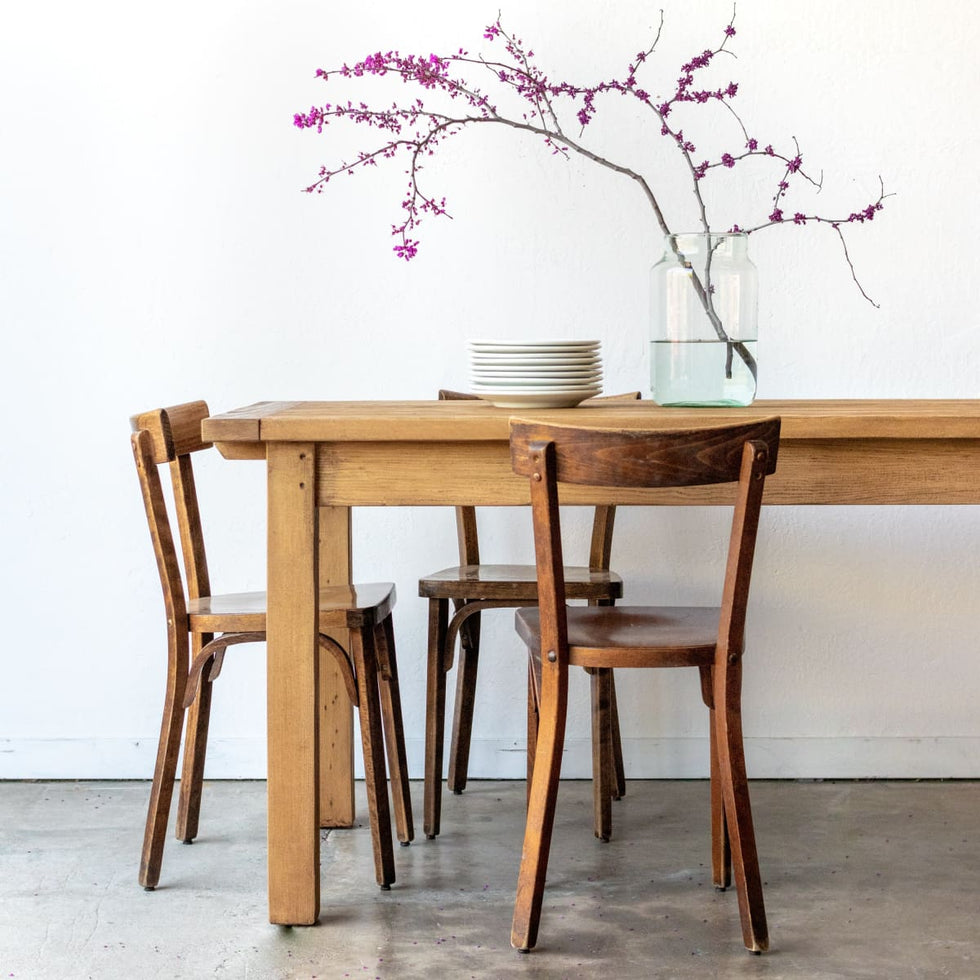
(872,879)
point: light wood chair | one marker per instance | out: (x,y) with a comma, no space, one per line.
(472,587)
(599,639)
(201,626)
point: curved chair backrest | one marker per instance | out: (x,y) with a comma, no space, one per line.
(552,454)
(643,458)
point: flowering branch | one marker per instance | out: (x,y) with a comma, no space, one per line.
(412,128)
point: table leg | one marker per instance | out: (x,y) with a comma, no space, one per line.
(336,711)
(293,690)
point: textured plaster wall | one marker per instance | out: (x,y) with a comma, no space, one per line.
(154,247)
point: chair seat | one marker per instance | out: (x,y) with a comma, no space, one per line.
(517,583)
(341,607)
(631,636)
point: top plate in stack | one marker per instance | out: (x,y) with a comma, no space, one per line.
(535,373)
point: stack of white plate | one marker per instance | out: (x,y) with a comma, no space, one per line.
(535,373)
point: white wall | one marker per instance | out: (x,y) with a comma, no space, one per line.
(154,247)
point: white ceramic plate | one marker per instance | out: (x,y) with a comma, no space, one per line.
(515,350)
(591,389)
(537,377)
(514,368)
(589,382)
(556,400)
(519,345)
(541,360)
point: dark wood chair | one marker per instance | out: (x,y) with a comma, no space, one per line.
(599,639)
(202,625)
(472,586)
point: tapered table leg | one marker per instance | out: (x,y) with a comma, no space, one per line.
(293,689)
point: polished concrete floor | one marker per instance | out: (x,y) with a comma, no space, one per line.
(866,879)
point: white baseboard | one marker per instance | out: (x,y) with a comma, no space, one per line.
(852,757)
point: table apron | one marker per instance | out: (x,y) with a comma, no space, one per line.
(832,471)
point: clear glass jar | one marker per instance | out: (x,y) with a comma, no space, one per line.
(704,321)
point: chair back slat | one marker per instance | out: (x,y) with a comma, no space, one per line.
(172,435)
(161,534)
(600,550)
(189,523)
(634,458)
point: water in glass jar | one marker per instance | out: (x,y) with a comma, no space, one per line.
(692,372)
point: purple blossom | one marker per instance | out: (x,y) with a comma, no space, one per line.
(407,250)
(415,129)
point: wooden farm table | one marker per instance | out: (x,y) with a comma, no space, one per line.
(325,457)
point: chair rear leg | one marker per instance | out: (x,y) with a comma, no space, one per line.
(195,752)
(469,659)
(372,742)
(721,852)
(165,771)
(619,769)
(618,781)
(435,716)
(603,773)
(391,710)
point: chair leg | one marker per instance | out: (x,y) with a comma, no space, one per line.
(372,742)
(603,775)
(165,771)
(391,710)
(738,812)
(435,716)
(195,752)
(469,657)
(619,783)
(721,852)
(552,706)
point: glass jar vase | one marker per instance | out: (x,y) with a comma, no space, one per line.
(704,321)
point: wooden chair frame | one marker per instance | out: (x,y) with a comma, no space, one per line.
(504,587)
(710,639)
(201,626)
